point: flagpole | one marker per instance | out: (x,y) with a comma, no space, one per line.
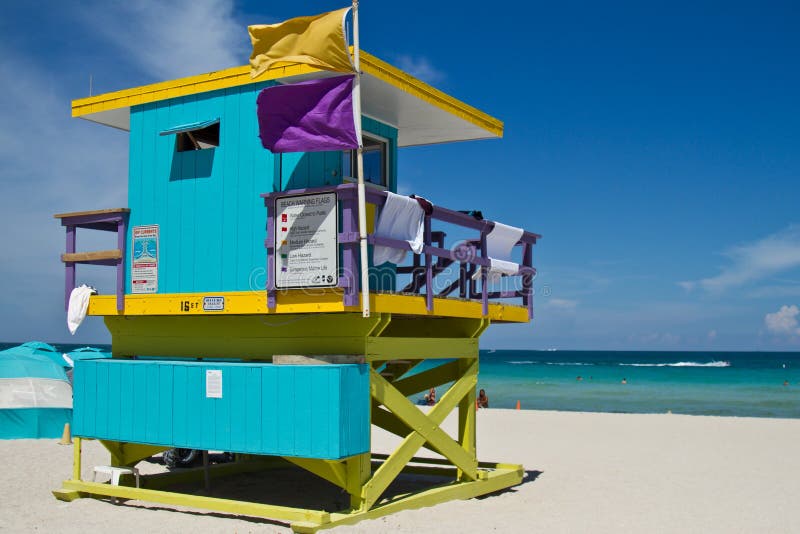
(362,203)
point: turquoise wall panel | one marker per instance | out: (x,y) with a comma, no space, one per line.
(211,219)
(311,411)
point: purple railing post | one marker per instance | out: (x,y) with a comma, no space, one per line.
(349,226)
(428,265)
(527,279)
(484,275)
(122,239)
(69,282)
(462,280)
(270,245)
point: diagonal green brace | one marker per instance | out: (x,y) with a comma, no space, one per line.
(426,428)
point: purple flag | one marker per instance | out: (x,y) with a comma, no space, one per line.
(310,116)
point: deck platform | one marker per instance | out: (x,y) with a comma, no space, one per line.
(295,301)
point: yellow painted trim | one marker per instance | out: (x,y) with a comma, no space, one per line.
(190,85)
(296,301)
(236,303)
(445,307)
(238,76)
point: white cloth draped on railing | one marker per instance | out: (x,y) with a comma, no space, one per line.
(400,218)
(499,244)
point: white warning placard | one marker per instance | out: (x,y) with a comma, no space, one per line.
(144,259)
(213,383)
(306,241)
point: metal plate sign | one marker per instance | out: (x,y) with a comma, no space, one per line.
(306,241)
(144,260)
(213,303)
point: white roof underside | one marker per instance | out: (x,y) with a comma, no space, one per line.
(417,121)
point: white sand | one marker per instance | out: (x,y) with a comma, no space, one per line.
(587,473)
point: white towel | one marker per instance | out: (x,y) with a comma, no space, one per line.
(499,244)
(78,304)
(401,218)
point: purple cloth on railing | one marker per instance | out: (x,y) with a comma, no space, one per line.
(311,116)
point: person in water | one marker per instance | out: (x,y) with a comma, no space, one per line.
(430,397)
(483,399)
(624,381)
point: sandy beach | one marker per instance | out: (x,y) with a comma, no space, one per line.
(586,473)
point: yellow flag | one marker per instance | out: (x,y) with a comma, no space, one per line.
(318,40)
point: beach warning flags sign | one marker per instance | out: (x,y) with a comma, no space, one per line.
(318,40)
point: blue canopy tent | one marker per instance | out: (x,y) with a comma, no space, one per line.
(37,348)
(35,396)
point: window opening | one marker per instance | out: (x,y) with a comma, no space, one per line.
(376,161)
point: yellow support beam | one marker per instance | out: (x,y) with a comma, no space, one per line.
(76,458)
(359,469)
(466,413)
(284,513)
(390,348)
(496,479)
(129,454)
(426,429)
(389,422)
(330,470)
(431,378)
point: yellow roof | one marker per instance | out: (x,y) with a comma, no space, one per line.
(422,114)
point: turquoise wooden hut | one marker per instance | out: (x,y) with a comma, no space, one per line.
(216,347)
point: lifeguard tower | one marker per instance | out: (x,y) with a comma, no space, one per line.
(238,323)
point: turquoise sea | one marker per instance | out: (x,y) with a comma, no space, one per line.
(699,383)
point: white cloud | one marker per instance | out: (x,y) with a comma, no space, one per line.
(783,321)
(420,67)
(51,163)
(712,335)
(172,39)
(754,261)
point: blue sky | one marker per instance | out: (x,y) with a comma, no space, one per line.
(656,146)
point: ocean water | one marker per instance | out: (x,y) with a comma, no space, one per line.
(747,384)
(699,383)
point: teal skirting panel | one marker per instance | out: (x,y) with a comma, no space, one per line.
(311,411)
(32,423)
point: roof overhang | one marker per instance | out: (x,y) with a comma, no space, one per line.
(422,114)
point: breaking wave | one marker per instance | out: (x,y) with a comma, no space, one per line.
(681,364)
(666,364)
(529,362)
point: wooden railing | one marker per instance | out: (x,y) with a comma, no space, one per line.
(468,256)
(109,220)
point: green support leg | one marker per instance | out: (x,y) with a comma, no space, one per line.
(466,416)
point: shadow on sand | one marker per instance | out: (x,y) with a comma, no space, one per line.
(294,487)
